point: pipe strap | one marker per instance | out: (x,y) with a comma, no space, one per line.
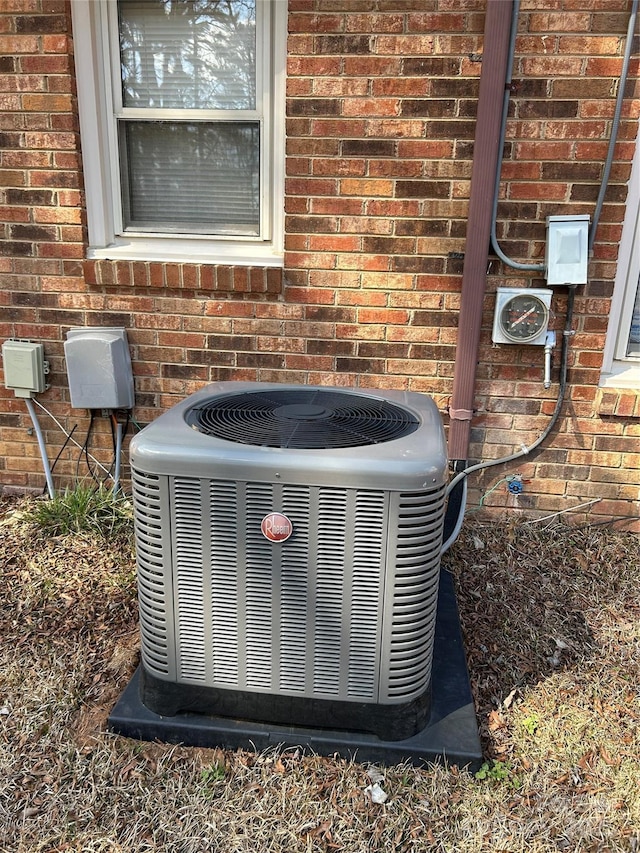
(461,414)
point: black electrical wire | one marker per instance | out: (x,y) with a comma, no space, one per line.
(503,132)
(79,459)
(113,421)
(60,452)
(456,490)
(84,450)
(564,360)
(109,473)
(607,522)
(615,123)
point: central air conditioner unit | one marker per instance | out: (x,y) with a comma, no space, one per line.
(288,545)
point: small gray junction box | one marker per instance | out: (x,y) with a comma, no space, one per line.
(99,368)
(24,367)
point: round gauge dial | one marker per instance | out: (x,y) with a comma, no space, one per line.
(523,317)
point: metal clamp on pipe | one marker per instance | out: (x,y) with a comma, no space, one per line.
(549,344)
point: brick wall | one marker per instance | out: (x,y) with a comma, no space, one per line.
(380,127)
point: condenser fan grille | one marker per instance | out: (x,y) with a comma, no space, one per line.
(301,418)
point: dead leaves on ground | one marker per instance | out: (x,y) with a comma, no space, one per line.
(551,622)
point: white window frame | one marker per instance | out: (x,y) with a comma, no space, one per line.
(98,105)
(618,369)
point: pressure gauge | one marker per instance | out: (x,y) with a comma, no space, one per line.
(521,316)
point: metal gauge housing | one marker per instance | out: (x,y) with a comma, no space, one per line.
(521,316)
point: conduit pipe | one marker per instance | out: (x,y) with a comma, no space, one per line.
(515,12)
(622,83)
(539,267)
(118,455)
(42,446)
(486,159)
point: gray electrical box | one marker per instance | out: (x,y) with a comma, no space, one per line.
(99,368)
(24,367)
(567,249)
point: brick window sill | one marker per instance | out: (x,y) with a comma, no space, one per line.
(618,402)
(205,278)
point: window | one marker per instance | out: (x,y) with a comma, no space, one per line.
(633,345)
(182,120)
(621,367)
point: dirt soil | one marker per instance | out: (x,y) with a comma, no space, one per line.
(551,622)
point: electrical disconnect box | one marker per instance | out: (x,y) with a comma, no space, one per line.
(99,368)
(24,367)
(567,249)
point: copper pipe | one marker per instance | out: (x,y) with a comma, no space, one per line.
(486,159)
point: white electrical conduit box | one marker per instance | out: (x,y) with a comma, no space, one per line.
(567,250)
(24,367)
(99,368)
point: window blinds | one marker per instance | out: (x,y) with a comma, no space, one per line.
(192,54)
(181,175)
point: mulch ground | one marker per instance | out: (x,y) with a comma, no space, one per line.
(550,617)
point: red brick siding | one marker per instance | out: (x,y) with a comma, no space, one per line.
(381,101)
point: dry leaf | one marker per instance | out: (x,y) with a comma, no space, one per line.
(604,755)
(496,721)
(509,700)
(586,761)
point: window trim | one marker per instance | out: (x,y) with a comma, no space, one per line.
(91,26)
(618,369)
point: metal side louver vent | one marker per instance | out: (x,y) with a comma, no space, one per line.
(302,619)
(417,568)
(153,554)
(367,580)
(225,582)
(189,580)
(294,593)
(259,590)
(330,591)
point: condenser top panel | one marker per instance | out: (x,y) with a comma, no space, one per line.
(298,434)
(302,418)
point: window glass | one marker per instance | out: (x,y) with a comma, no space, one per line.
(181,175)
(634,335)
(188,54)
(182,117)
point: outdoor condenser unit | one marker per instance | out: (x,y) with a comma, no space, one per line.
(288,543)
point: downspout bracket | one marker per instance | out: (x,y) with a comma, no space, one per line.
(461,414)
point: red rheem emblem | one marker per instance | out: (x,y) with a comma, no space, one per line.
(276,527)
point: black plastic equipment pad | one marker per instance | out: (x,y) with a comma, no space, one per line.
(451,734)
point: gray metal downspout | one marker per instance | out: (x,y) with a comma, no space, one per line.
(486,157)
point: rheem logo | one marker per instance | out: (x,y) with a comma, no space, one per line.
(276,527)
